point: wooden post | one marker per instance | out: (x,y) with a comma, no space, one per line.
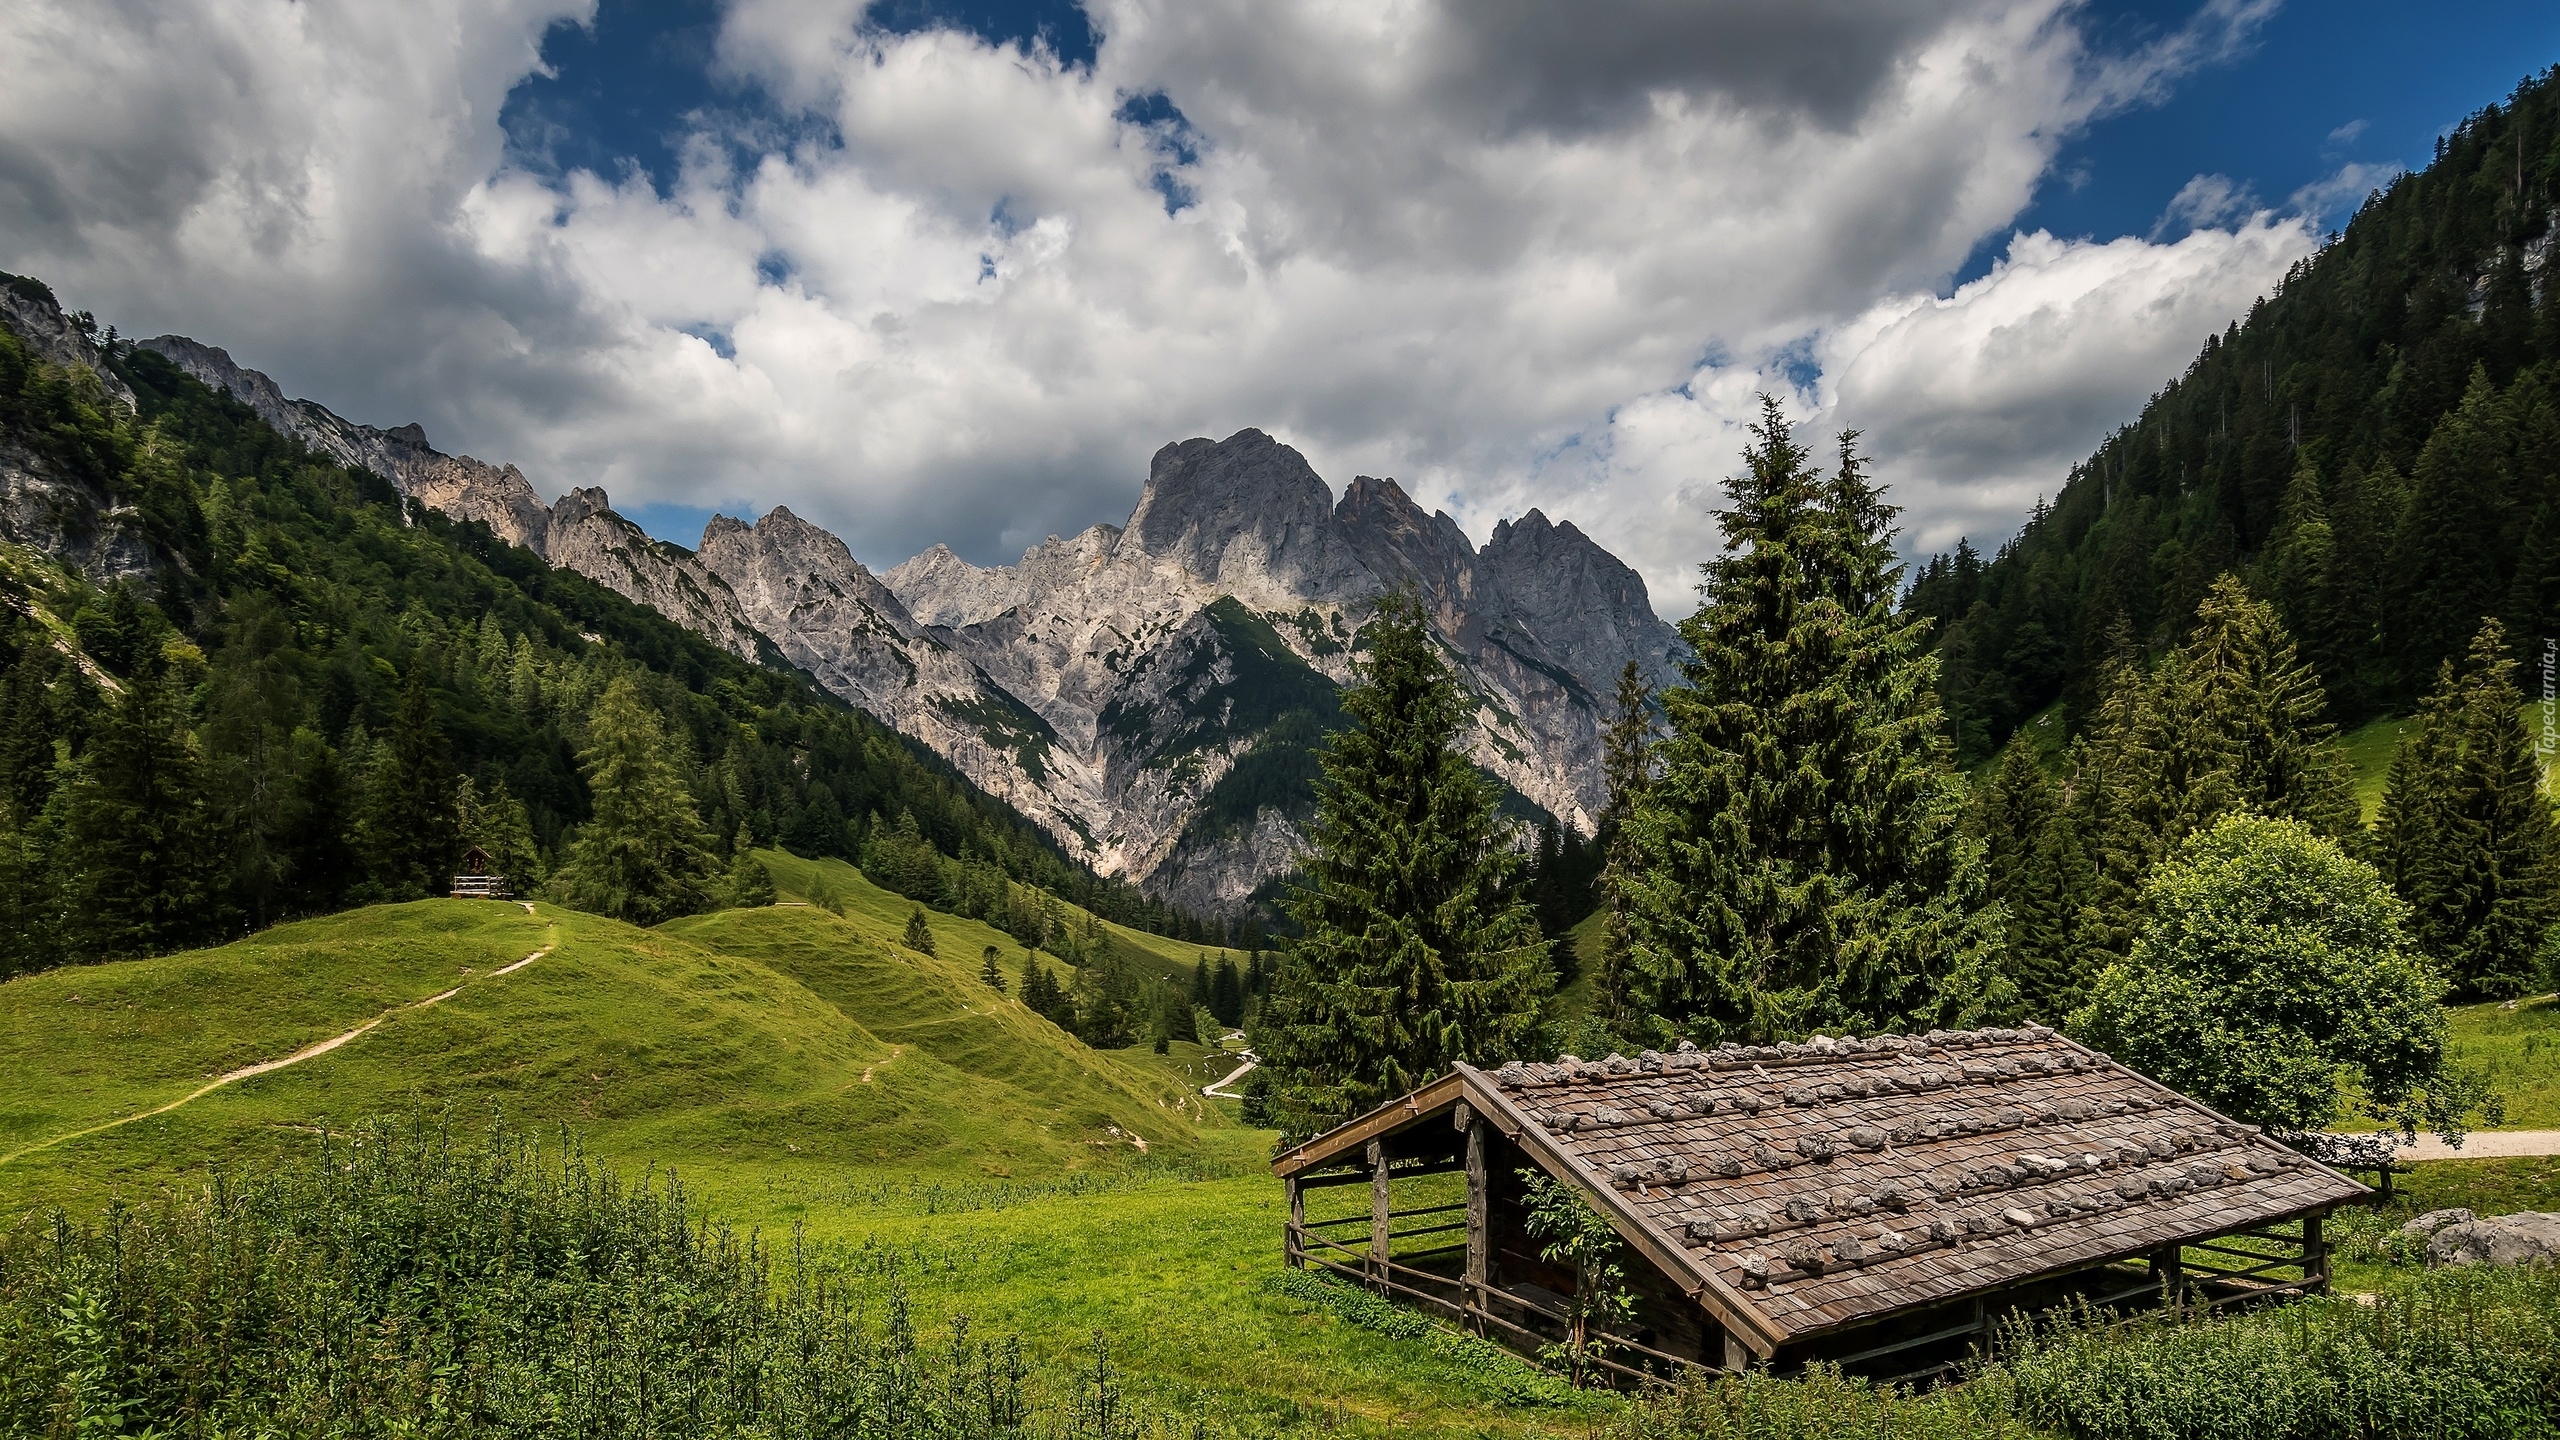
(1737,1356)
(1293,1244)
(2166,1269)
(1471,1292)
(2315,1255)
(1378,1211)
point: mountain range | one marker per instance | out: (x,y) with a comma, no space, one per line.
(1150,694)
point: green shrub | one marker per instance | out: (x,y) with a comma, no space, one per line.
(1822,1403)
(2465,1354)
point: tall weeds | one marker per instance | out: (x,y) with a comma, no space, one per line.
(401,1284)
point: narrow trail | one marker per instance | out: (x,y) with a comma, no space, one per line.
(264,1067)
(1251,1062)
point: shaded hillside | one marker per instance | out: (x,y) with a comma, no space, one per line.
(2376,447)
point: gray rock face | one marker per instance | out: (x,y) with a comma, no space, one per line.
(1579,604)
(1245,512)
(42,506)
(1204,642)
(2497,1240)
(37,318)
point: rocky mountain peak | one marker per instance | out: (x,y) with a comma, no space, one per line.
(577,505)
(1583,604)
(1397,542)
(1246,511)
(940,588)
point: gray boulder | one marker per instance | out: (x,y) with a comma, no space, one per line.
(2498,1240)
(2435,1220)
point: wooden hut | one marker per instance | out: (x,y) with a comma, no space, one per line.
(475,882)
(1877,1203)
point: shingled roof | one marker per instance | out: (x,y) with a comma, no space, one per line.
(1802,1188)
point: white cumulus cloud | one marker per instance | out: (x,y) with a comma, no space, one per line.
(923,287)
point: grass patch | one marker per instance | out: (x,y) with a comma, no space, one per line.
(1481,1365)
(2520,1050)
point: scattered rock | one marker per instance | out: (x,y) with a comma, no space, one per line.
(2435,1220)
(2498,1240)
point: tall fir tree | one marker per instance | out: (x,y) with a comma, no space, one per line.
(132,866)
(1416,949)
(642,856)
(495,824)
(411,828)
(1626,764)
(2017,811)
(2454,530)
(1800,858)
(750,884)
(2233,719)
(2465,833)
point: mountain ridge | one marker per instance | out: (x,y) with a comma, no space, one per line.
(1137,690)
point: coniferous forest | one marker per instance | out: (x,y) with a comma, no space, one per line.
(321,694)
(2347,508)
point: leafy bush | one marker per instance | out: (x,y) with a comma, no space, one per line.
(402,1285)
(2271,972)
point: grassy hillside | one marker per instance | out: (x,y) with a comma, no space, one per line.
(961,939)
(731,1042)
(801,1070)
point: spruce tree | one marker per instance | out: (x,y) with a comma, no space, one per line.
(919,936)
(27,940)
(1042,995)
(989,971)
(642,856)
(2015,814)
(2258,716)
(2453,531)
(496,824)
(2465,833)
(131,866)
(1799,857)
(2231,720)
(1416,950)
(412,828)
(1626,763)
(750,884)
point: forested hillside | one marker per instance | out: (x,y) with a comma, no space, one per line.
(309,695)
(2376,449)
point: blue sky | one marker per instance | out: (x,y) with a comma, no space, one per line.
(878,264)
(2324,84)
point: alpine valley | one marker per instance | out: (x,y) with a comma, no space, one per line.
(1151,694)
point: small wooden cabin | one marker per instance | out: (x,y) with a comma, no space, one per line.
(1878,1203)
(475,882)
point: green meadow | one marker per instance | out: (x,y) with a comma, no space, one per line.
(800,1071)
(803,1073)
